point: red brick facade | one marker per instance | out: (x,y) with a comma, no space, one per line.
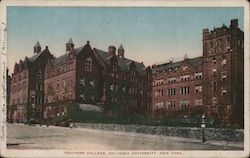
(177,86)
(27,84)
(81,75)
(223,52)
(221,84)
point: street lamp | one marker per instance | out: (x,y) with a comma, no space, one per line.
(203,125)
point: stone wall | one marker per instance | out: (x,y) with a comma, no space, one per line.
(185,132)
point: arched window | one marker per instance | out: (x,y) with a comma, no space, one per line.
(88,64)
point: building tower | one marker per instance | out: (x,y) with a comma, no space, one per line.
(223,53)
(121,51)
(69,45)
(37,47)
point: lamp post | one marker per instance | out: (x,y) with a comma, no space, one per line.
(203,125)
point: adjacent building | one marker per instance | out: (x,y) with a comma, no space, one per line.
(177,86)
(212,84)
(27,86)
(223,58)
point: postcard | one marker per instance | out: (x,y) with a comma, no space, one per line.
(124,78)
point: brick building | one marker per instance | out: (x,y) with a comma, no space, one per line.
(223,52)
(218,76)
(81,75)
(177,86)
(27,84)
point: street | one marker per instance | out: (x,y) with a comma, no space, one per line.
(20,136)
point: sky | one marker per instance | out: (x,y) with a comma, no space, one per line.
(151,35)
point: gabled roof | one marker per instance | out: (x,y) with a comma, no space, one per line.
(63,58)
(194,62)
(59,60)
(34,57)
(123,63)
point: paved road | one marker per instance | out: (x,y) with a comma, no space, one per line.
(21,136)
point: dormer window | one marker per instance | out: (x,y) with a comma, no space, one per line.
(184,68)
(88,64)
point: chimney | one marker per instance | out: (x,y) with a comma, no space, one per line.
(112,49)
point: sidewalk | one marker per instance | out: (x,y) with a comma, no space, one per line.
(146,136)
(175,139)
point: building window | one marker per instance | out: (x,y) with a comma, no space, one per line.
(172,80)
(88,64)
(184,77)
(223,76)
(114,66)
(92,83)
(70,81)
(124,88)
(112,87)
(32,99)
(184,90)
(82,96)
(198,75)
(214,60)
(171,104)
(198,88)
(159,105)
(214,85)
(171,91)
(159,93)
(224,62)
(39,74)
(223,90)
(64,83)
(82,82)
(198,102)
(214,71)
(184,103)
(37,87)
(214,100)
(159,82)
(184,68)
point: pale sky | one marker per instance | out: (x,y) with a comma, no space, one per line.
(148,34)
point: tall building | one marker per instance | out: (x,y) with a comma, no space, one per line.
(27,86)
(214,81)
(223,52)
